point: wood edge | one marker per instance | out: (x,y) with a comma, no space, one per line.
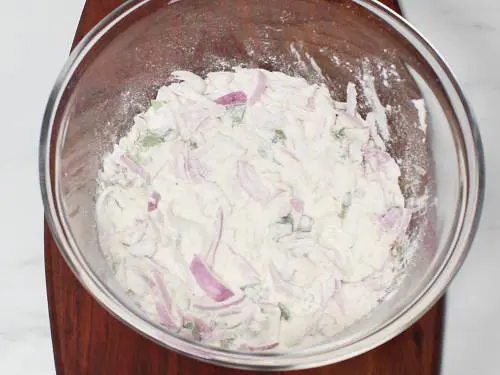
(439,334)
(51,298)
(81,30)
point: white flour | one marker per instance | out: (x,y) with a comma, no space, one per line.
(248,210)
(422,114)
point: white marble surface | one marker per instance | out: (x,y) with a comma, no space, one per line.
(35,37)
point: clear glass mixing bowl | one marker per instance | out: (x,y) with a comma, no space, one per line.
(114,73)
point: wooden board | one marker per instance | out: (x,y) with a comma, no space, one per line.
(89,341)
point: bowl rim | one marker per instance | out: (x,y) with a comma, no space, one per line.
(293,360)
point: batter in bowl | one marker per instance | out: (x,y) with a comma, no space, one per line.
(250,211)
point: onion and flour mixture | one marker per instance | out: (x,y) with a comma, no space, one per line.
(250,211)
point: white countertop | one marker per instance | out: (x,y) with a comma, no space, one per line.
(35,37)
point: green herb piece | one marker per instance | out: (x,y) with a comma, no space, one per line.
(305,224)
(196,332)
(285,312)
(285,220)
(157,104)
(262,152)
(178,240)
(400,251)
(339,135)
(138,159)
(245,287)
(151,140)
(276,161)
(226,343)
(238,114)
(279,136)
(343,210)
(345,206)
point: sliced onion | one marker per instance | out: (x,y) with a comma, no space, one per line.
(245,266)
(194,169)
(166,317)
(303,327)
(389,220)
(184,224)
(299,244)
(148,281)
(189,167)
(202,326)
(133,166)
(192,80)
(163,291)
(351,99)
(153,201)
(268,337)
(216,236)
(405,220)
(203,329)
(233,98)
(396,219)
(251,182)
(339,298)
(376,158)
(268,304)
(280,281)
(260,87)
(297,212)
(371,122)
(207,281)
(145,248)
(331,288)
(180,167)
(220,306)
(306,223)
(297,204)
(278,205)
(192,119)
(218,334)
(263,347)
(133,234)
(164,310)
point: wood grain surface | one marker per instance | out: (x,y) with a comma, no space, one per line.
(89,341)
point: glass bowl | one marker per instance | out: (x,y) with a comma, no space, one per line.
(117,68)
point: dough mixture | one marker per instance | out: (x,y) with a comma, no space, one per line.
(250,211)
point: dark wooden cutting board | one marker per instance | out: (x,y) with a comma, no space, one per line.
(89,341)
